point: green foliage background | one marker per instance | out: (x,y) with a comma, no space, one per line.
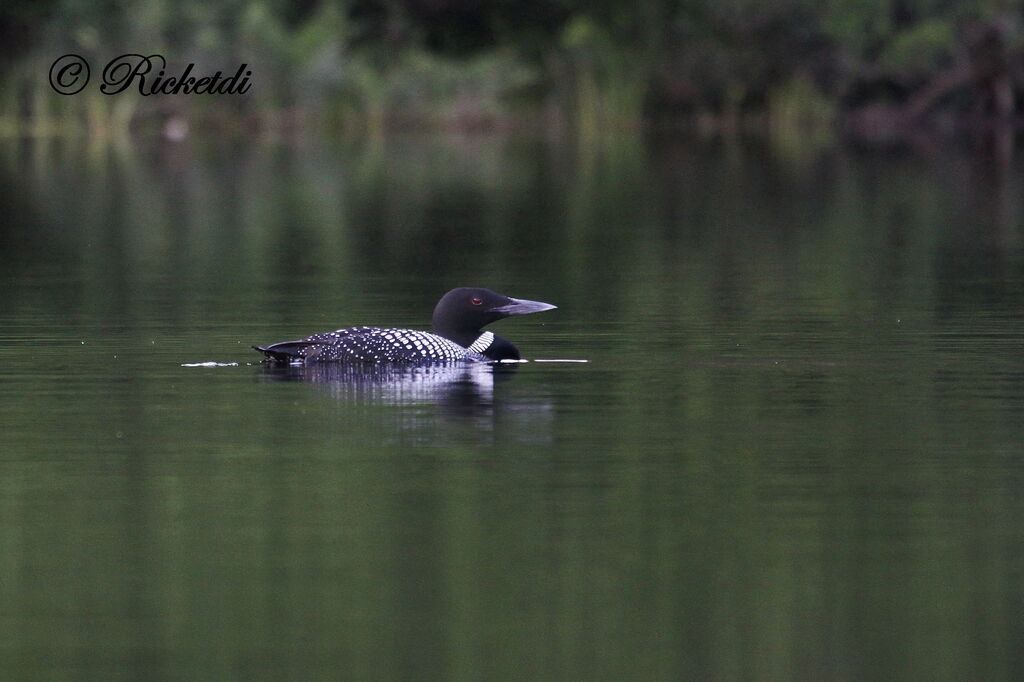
(366,65)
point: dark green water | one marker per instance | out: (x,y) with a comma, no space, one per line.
(795,453)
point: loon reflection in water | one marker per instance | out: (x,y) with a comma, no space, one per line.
(457,321)
(389,384)
(427,394)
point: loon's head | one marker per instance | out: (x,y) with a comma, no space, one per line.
(463,312)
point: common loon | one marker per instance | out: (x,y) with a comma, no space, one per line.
(457,322)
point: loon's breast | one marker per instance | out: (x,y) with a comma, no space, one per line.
(371,344)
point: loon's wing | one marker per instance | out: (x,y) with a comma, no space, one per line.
(311,346)
(372,345)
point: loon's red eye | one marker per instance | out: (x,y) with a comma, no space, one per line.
(476,301)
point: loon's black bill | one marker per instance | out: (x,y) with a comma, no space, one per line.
(520,306)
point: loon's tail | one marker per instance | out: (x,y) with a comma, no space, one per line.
(271,355)
(288,352)
(281,355)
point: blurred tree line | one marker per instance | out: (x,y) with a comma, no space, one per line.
(595,65)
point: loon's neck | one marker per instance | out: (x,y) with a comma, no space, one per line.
(463,338)
(485,343)
(482,343)
(494,347)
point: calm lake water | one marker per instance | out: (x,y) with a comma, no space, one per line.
(796,451)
